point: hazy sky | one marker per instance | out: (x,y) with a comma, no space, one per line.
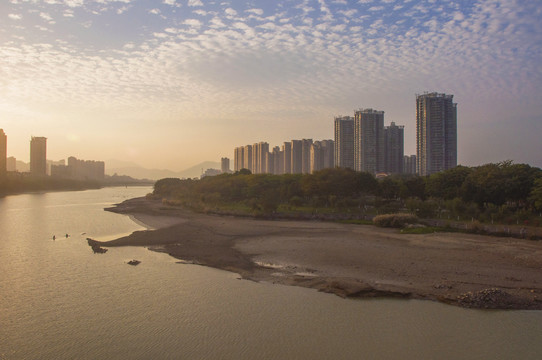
(170,83)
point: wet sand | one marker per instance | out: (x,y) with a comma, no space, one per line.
(347,260)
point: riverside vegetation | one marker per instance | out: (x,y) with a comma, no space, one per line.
(503,192)
(497,193)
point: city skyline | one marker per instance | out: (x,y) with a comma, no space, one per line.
(148,82)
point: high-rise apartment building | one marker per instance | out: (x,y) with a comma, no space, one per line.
(260,165)
(436,133)
(297,157)
(3,153)
(38,156)
(321,156)
(248,157)
(306,156)
(239,158)
(255,158)
(225,165)
(409,164)
(344,142)
(278,161)
(369,140)
(287,156)
(394,148)
(329,153)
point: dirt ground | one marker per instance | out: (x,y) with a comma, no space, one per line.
(348,260)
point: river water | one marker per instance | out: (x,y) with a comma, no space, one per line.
(58,300)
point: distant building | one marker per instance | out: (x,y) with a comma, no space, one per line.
(210,172)
(3,153)
(239,158)
(278,161)
(344,142)
(269,163)
(297,157)
(287,158)
(38,156)
(51,163)
(409,164)
(369,141)
(393,149)
(86,169)
(306,156)
(11,164)
(259,159)
(225,165)
(248,158)
(321,156)
(79,169)
(436,133)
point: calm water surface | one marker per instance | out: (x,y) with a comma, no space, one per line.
(58,300)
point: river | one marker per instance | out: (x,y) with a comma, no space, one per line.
(59,300)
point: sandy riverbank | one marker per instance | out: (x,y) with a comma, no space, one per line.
(348,260)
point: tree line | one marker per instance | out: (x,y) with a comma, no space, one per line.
(493,192)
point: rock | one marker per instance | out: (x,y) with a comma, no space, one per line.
(486,299)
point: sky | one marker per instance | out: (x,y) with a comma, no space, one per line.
(171,83)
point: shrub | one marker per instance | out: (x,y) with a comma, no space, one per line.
(395,220)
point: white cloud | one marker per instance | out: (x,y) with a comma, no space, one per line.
(217,23)
(230,12)
(195,3)
(348,13)
(288,63)
(74,3)
(255,11)
(155,11)
(193,23)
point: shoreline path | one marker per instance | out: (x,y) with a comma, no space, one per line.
(348,260)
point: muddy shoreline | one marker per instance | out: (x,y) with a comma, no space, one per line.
(347,260)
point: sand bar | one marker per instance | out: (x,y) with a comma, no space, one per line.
(348,260)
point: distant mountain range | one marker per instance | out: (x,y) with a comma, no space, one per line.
(134,170)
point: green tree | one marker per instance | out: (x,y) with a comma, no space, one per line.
(535,196)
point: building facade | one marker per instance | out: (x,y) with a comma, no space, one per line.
(306,156)
(248,158)
(11,164)
(409,164)
(436,133)
(321,155)
(369,141)
(394,137)
(344,142)
(239,158)
(38,156)
(287,157)
(225,165)
(297,157)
